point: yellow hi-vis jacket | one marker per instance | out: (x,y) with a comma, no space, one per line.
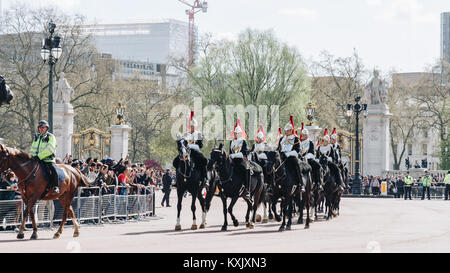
(408,181)
(447,179)
(44,147)
(426,180)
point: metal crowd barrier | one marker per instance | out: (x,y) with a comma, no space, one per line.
(97,207)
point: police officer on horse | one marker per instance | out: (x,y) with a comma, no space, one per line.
(43,150)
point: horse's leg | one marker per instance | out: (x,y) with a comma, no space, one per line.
(33,221)
(29,204)
(230,211)
(225,216)
(301,206)
(265,218)
(274,209)
(204,211)
(291,207)
(283,214)
(63,201)
(247,215)
(194,219)
(180,193)
(76,233)
(308,220)
(256,200)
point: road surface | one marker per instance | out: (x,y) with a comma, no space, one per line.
(364,225)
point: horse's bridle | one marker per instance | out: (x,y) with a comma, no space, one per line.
(5,159)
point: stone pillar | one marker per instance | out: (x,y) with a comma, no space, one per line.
(119,141)
(376,140)
(63,128)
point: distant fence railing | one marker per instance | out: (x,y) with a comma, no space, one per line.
(102,204)
(436,192)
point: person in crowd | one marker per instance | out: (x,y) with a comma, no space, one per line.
(400,184)
(123,182)
(447,185)
(409,181)
(167,187)
(375,185)
(426,184)
(366,185)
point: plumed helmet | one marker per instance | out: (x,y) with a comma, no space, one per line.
(43,123)
(333,134)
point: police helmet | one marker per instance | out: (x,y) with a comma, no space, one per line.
(43,123)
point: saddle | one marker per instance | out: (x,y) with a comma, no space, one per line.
(61,176)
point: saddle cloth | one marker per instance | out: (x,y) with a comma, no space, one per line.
(59,171)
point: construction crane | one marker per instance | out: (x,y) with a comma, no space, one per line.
(194,8)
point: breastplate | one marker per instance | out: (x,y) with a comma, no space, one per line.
(236,145)
(260,147)
(304,146)
(288,143)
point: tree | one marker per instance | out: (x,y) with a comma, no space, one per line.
(433,96)
(404,120)
(257,69)
(336,81)
(22,30)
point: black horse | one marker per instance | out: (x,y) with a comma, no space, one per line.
(275,173)
(267,190)
(332,179)
(6,95)
(317,180)
(231,181)
(188,178)
(306,201)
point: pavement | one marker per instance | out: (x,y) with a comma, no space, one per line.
(364,225)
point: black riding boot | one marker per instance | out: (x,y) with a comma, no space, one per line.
(53,177)
(299,173)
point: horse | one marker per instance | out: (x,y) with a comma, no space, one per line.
(267,200)
(332,179)
(231,181)
(306,201)
(6,95)
(317,180)
(33,184)
(275,173)
(188,179)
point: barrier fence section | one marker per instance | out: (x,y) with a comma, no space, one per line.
(90,205)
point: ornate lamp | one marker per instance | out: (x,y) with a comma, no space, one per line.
(310,111)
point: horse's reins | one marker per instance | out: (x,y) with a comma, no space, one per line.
(31,174)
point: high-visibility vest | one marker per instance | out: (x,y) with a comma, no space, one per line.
(426,180)
(408,181)
(447,179)
(44,147)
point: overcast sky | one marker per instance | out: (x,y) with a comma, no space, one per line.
(388,34)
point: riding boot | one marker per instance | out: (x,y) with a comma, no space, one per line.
(205,176)
(299,173)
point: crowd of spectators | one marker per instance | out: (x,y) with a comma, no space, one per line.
(371,185)
(106,174)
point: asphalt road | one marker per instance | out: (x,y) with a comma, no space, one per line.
(364,225)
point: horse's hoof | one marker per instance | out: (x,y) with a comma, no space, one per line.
(306,226)
(288,227)
(178,227)
(76,234)
(194,227)
(56,236)
(281,229)
(278,218)
(265,221)
(20,236)
(236,223)
(300,221)
(311,221)
(258,218)
(270,217)
(202,226)
(224,228)
(33,236)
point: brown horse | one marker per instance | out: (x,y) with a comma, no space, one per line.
(32,184)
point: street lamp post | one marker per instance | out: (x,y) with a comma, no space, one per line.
(51,52)
(357,108)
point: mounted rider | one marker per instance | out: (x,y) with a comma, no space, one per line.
(326,149)
(239,152)
(289,147)
(306,145)
(43,149)
(260,146)
(336,147)
(194,141)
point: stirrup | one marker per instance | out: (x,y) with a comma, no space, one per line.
(56,189)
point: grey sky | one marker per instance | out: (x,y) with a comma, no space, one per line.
(400,34)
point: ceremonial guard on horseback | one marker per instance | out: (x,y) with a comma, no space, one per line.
(327,151)
(238,153)
(258,154)
(308,152)
(289,147)
(43,149)
(336,147)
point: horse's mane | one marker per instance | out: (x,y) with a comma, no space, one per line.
(18,153)
(334,170)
